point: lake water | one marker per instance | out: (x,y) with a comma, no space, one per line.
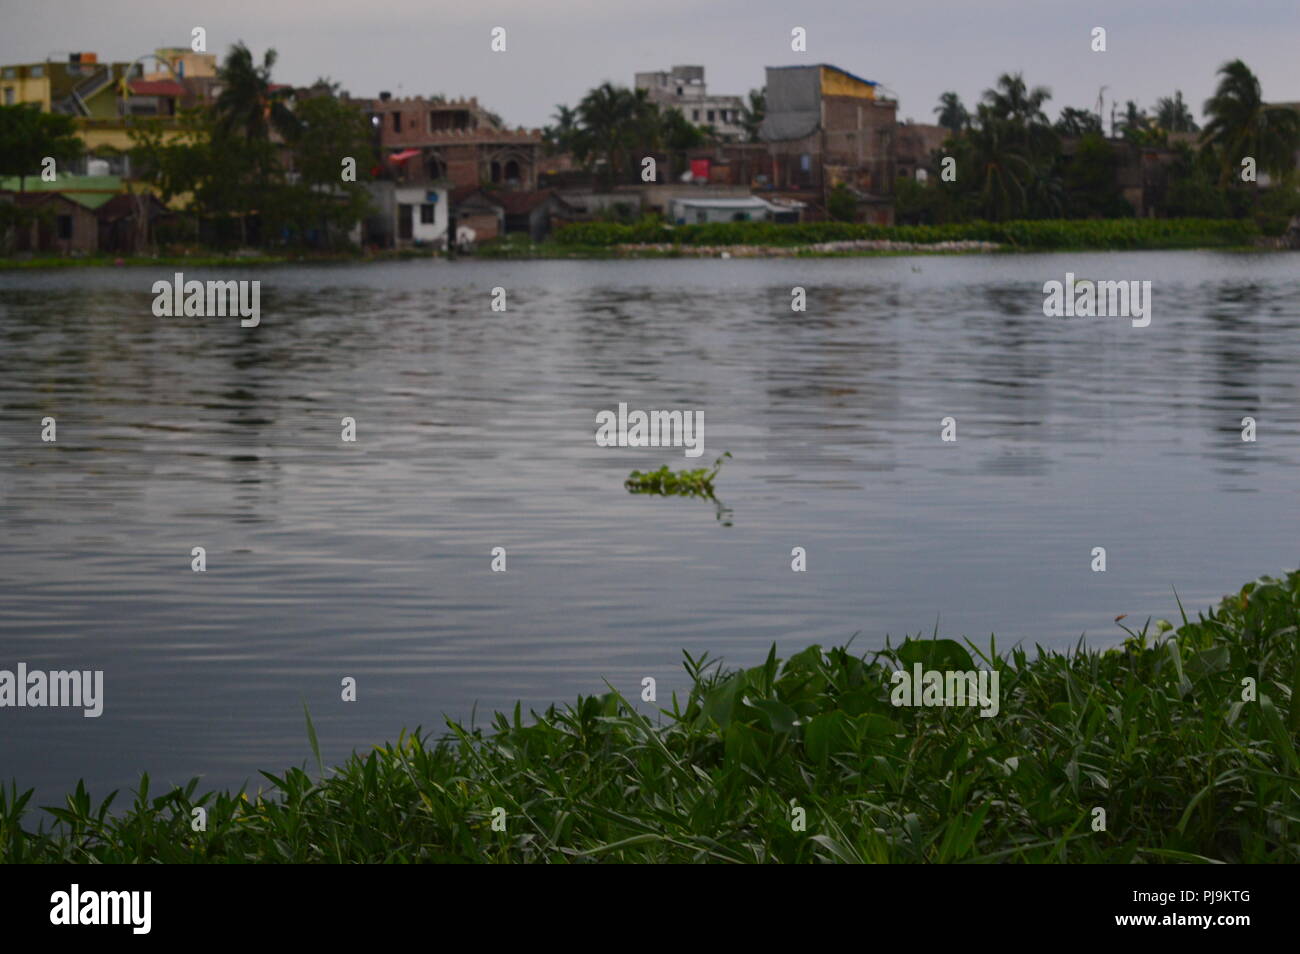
(476,430)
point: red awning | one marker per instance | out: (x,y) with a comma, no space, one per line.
(403,155)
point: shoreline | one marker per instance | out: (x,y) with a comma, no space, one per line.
(1083,756)
(551,252)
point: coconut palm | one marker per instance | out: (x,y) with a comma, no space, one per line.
(1242,125)
(247,105)
(1013,100)
(953,116)
(1172,114)
(751,114)
(1077,123)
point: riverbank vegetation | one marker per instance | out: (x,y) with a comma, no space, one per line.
(1041,234)
(1180,745)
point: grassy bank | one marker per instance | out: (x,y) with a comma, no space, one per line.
(1155,733)
(210,259)
(1038,235)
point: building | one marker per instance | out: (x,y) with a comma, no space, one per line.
(458,141)
(104,97)
(407,214)
(703,210)
(683,88)
(825,126)
(915,145)
(55,223)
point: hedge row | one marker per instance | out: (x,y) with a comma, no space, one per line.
(1035,234)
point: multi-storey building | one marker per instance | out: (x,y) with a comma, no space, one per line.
(683,88)
(825,126)
(457,141)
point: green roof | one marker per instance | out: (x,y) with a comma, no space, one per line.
(88,191)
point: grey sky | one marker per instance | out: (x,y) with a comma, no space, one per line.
(557,49)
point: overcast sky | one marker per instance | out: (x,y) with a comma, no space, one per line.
(557,49)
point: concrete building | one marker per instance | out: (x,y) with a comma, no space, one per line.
(683,88)
(826,126)
(407,214)
(702,210)
(458,141)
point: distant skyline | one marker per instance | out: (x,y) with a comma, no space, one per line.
(558,49)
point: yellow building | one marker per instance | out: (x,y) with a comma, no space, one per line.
(104,98)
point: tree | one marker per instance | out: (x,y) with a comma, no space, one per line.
(953,116)
(329,131)
(561,137)
(1242,124)
(842,204)
(751,114)
(1172,114)
(28,135)
(1013,100)
(678,135)
(248,105)
(614,122)
(1077,123)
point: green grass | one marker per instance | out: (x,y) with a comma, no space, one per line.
(1044,234)
(1154,732)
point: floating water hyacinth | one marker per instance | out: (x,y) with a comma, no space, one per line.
(682,483)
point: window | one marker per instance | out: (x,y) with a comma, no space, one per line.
(426,214)
(37,72)
(11,72)
(701,216)
(710,115)
(397,122)
(695,115)
(64,226)
(679,91)
(180,68)
(9,95)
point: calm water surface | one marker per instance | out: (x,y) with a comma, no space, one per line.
(475,429)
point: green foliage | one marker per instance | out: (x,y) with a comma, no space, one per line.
(1129,233)
(1156,732)
(842,204)
(28,135)
(682,483)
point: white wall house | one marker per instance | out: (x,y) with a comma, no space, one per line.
(707,209)
(421,214)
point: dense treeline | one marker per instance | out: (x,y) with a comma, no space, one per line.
(1011,162)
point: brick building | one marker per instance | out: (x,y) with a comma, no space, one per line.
(457,141)
(826,126)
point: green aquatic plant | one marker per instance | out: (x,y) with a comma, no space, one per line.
(1181,744)
(681,483)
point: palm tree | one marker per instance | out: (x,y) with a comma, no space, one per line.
(953,116)
(1172,115)
(615,122)
(1004,169)
(1242,124)
(751,115)
(248,106)
(561,137)
(1077,123)
(1013,100)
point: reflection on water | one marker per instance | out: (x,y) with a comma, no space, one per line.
(475,430)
